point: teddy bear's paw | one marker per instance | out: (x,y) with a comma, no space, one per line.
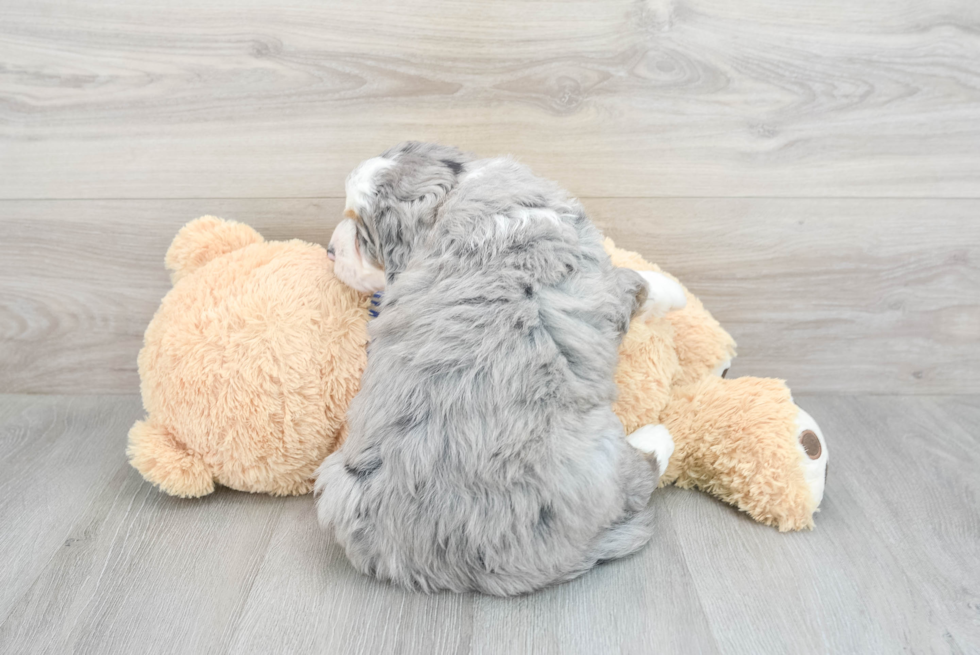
(654,440)
(810,441)
(163,459)
(663,295)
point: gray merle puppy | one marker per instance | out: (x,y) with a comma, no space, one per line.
(482,451)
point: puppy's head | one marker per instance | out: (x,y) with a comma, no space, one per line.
(392,202)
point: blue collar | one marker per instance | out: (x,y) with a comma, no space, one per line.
(376,304)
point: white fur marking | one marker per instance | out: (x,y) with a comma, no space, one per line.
(360,184)
(814,470)
(520,218)
(654,439)
(663,295)
(472,174)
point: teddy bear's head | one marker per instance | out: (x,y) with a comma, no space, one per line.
(249,364)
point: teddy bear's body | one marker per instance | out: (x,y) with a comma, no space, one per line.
(253,357)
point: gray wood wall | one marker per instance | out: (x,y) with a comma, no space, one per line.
(811,171)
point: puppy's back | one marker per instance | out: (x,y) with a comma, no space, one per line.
(483,453)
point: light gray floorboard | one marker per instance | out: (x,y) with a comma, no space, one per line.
(104,563)
(57,454)
(129,568)
(855,295)
(307,598)
(645,604)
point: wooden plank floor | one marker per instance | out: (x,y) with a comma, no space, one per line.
(810,170)
(97,561)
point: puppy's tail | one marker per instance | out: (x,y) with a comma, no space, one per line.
(624,538)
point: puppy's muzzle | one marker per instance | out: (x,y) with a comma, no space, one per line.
(351,265)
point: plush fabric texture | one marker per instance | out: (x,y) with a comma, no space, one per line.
(699,341)
(248,365)
(735,439)
(253,357)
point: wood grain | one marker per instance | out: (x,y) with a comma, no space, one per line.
(80,281)
(307,598)
(616,98)
(840,296)
(836,296)
(101,562)
(647,603)
(135,567)
(57,454)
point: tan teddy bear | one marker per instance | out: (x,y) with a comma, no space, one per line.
(742,440)
(253,357)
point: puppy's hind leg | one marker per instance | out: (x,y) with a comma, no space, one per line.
(635,528)
(651,449)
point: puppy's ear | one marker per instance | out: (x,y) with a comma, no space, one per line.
(453,158)
(408,205)
(455,166)
(395,229)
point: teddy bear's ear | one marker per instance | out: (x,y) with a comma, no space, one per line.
(202,240)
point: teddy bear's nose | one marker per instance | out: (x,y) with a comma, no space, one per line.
(811,444)
(330,253)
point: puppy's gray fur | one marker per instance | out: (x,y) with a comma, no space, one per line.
(482,451)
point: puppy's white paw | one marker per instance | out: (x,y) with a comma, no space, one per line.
(663,295)
(654,440)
